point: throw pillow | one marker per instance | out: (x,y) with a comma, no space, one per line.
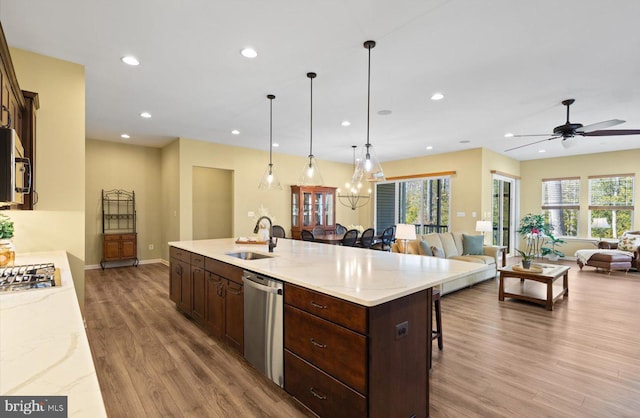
(425,248)
(437,252)
(628,243)
(472,244)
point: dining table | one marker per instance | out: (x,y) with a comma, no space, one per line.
(329,238)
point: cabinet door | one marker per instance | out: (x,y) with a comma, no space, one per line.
(234,316)
(198,288)
(307,209)
(111,248)
(178,269)
(214,305)
(330,217)
(186,289)
(318,209)
(128,246)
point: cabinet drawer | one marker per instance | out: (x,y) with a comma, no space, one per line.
(128,236)
(338,351)
(112,237)
(180,254)
(339,311)
(197,260)
(225,270)
(320,392)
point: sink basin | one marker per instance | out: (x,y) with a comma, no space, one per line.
(249,255)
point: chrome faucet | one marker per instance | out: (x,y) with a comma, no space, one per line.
(272,244)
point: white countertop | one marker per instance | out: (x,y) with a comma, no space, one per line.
(44,349)
(362,276)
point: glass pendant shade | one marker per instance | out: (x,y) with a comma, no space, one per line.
(269,180)
(353,195)
(311,172)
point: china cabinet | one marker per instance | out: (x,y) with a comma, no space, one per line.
(312,206)
(119,238)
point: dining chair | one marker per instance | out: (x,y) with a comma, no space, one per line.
(385,240)
(340,229)
(318,230)
(307,235)
(350,238)
(366,239)
(277,231)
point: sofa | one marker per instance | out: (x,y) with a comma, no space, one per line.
(621,255)
(451,245)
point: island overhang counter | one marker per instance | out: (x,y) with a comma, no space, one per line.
(357,322)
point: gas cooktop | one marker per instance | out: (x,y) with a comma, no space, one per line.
(29,276)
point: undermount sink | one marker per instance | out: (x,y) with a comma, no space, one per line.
(249,255)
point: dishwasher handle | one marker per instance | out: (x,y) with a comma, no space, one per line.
(251,283)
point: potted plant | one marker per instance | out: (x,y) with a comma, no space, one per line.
(7,251)
(550,252)
(526,259)
(533,229)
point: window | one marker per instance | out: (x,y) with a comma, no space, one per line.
(422,202)
(561,205)
(611,198)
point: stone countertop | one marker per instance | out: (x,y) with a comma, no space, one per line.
(359,275)
(44,349)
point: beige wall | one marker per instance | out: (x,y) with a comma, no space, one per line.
(170,196)
(621,162)
(57,223)
(111,165)
(212,192)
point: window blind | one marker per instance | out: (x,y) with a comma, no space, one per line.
(563,193)
(609,192)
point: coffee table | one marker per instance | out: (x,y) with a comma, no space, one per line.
(535,286)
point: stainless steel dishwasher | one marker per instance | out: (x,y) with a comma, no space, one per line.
(263,323)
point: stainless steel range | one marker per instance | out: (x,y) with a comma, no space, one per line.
(30,276)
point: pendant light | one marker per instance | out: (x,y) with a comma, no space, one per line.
(310,172)
(354,197)
(269,180)
(368,167)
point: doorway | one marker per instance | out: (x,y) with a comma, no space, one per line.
(503,204)
(212,203)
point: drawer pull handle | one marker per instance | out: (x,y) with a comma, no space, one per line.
(317,344)
(317,395)
(315,305)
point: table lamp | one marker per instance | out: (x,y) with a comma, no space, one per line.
(600,223)
(484,226)
(405,232)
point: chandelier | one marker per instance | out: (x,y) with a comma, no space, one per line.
(353,196)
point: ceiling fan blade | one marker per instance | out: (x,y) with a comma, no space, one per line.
(599,125)
(531,143)
(611,132)
(521,136)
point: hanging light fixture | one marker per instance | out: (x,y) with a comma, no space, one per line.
(353,196)
(368,167)
(310,172)
(269,180)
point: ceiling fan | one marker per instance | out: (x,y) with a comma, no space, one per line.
(570,130)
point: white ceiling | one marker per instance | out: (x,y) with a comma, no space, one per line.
(503,65)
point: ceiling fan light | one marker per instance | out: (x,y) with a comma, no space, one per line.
(569,142)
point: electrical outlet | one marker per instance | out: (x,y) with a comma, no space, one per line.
(151,246)
(402,329)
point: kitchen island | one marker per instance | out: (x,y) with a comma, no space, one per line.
(44,349)
(357,322)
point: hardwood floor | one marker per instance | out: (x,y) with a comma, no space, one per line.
(500,359)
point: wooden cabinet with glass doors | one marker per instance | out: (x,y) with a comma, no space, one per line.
(312,206)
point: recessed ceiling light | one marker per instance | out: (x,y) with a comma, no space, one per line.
(465,141)
(437,96)
(508,135)
(384,112)
(130,60)
(145,115)
(429,147)
(125,136)
(345,123)
(249,53)
(275,145)
(235,132)
(542,150)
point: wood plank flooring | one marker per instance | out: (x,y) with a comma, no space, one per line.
(500,359)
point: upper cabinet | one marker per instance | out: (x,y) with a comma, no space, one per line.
(312,206)
(18,111)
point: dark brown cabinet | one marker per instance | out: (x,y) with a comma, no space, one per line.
(119,247)
(211,293)
(119,238)
(312,206)
(346,360)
